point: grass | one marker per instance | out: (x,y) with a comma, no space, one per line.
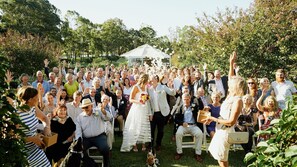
(166,155)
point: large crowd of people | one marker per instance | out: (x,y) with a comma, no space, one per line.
(88,102)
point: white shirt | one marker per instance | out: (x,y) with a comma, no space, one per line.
(91,126)
(73,111)
(87,84)
(282,91)
(127,91)
(156,103)
(176,83)
(220,87)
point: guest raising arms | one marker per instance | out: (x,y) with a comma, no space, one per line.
(230,110)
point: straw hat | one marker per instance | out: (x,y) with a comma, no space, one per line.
(86,102)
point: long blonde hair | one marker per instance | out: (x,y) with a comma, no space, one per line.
(143,79)
(274,100)
(237,86)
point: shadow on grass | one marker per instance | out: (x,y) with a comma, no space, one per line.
(166,155)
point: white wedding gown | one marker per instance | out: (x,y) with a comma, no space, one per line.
(137,126)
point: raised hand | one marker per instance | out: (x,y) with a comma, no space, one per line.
(8,76)
(204,66)
(233,57)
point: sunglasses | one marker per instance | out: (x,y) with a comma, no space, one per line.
(251,83)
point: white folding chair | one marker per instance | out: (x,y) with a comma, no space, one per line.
(205,144)
(97,158)
(188,144)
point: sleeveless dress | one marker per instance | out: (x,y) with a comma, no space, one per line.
(35,156)
(219,147)
(137,126)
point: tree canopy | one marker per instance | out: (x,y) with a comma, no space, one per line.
(264,37)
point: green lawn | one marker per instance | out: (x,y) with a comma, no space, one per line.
(166,156)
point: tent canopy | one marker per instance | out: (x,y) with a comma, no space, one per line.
(145,51)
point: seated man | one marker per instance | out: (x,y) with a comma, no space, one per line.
(90,126)
(186,117)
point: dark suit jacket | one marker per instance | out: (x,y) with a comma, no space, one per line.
(179,115)
(225,85)
(203,82)
(120,107)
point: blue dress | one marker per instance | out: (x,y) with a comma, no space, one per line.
(35,156)
(215,112)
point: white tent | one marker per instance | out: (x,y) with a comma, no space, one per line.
(145,51)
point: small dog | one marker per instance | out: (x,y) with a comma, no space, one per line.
(152,160)
(74,156)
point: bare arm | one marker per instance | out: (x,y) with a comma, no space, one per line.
(259,101)
(132,95)
(45,120)
(235,111)
(232,61)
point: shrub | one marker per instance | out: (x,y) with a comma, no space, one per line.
(12,142)
(281,148)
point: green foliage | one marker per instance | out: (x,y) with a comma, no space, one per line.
(12,143)
(108,60)
(26,53)
(36,17)
(281,148)
(264,37)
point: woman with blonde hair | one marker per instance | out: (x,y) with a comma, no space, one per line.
(215,108)
(230,110)
(137,125)
(265,84)
(269,111)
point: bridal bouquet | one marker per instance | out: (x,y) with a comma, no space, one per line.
(144,98)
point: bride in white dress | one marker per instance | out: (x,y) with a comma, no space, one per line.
(137,126)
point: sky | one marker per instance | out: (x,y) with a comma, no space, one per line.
(161,15)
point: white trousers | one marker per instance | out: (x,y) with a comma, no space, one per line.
(194,131)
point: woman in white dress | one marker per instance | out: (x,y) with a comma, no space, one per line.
(137,125)
(230,110)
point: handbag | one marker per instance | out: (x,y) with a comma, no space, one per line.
(202,114)
(238,137)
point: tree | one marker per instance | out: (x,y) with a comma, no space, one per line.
(114,35)
(12,143)
(264,37)
(36,17)
(26,52)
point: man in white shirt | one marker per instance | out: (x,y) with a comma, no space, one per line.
(219,84)
(87,82)
(90,126)
(73,109)
(283,89)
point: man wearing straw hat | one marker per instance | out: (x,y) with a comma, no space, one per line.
(90,126)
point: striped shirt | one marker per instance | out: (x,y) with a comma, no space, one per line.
(35,156)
